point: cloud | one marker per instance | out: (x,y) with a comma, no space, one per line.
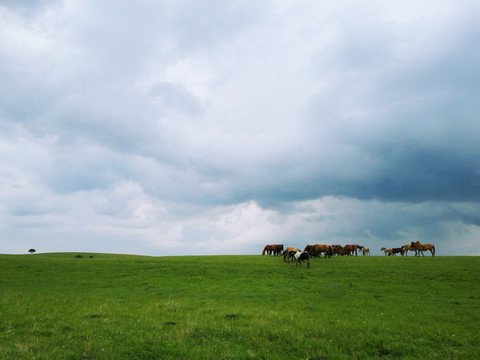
(152,124)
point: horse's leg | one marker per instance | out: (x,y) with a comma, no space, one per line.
(308,263)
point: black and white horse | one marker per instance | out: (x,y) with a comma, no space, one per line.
(302,256)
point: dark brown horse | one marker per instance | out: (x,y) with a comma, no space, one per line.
(278,250)
(397,251)
(423,247)
(337,249)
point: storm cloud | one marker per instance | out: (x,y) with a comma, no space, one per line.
(217,127)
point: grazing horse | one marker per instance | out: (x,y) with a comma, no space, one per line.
(268,249)
(366,250)
(309,249)
(387,251)
(347,250)
(302,256)
(278,249)
(289,253)
(397,251)
(329,253)
(337,249)
(351,249)
(423,247)
(318,250)
(408,248)
(272,249)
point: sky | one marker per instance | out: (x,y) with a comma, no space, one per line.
(216,127)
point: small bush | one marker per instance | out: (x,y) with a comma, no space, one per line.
(78,256)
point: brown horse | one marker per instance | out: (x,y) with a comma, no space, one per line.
(322,249)
(309,249)
(337,249)
(366,251)
(408,248)
(268,249)
(272,249)
(423,247)
(351,249)
(397,251)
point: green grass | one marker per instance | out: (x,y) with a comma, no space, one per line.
(105,306)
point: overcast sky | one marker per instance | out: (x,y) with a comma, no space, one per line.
(216,127)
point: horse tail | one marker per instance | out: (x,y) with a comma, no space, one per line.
(433,253)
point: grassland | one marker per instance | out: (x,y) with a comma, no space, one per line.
(57,306)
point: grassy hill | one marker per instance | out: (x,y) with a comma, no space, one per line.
(108,306)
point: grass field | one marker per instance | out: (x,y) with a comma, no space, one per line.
(58,306)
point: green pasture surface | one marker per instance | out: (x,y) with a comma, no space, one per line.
(58,306)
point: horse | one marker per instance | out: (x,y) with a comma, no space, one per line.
(387,251)
(329,253)
(268,249)
(408,248)
(309,249)
(366,250)
(278,249)
(352,249)
(302,256)
(317,250)
(337,249)
(423,247)
(397,251)
(289,253)
(272,249)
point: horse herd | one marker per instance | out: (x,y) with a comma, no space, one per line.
(296,255)
(417,247)
(318,249)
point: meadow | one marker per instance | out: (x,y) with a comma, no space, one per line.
(101,306)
